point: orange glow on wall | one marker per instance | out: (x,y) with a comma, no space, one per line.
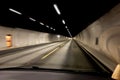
(8,40)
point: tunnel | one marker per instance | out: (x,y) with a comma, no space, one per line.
(94,53)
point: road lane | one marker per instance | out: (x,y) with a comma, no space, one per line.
(64,55)
(69,57)
(22,57)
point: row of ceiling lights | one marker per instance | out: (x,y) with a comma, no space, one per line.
(32,19)
(63,21)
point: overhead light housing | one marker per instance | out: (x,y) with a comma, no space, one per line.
(63,21)
(66,27)
(57,9)
(47,26)
(51,28)
(32,19)
(58,36)
(41,23)
(69,32)
(15,11)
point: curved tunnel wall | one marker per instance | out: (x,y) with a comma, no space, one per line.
(23,37)
(103,38)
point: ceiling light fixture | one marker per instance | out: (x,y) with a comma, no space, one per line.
(63,21)
(51,28)
(32,19)
(47,26)
(57,9)
(17,12)
(69,32)
(58,36)
(66,27)
(41,23)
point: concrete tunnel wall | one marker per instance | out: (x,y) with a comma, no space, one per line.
(23,37)
(102,38)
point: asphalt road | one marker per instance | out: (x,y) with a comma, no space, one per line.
(63,55)
(24,56)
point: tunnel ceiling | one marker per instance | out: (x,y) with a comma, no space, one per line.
(77,14)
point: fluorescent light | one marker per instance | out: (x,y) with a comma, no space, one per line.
(15,11)
(58,36)
(66,27)
(56,8)
(32,19)
(41,23)
(47,26)
(51,28)
(63,21)
(68,32)
(54,29)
